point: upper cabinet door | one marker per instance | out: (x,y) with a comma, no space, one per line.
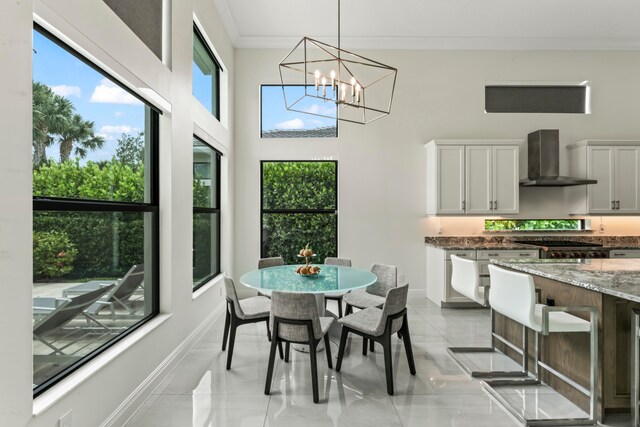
(600,166)
(506,179)
(627,180)
(478,188)
(450,179)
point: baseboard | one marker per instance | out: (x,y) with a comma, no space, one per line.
(127,409)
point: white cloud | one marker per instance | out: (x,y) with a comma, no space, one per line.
(108,92)
(118,114)
(291,124)
(119,129)
(66,91)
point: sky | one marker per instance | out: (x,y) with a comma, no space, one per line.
(276,116)
(93,95)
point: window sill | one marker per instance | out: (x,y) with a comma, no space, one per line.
(204,288)
(64,387)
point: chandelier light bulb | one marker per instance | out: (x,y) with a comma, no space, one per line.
(317,74)
(324,87)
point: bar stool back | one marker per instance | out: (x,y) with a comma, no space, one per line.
(513,295)
(465,279)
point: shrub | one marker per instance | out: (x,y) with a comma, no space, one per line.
(53,254)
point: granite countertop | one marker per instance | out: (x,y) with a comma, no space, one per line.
(616,277)
(462,245)
(507,242)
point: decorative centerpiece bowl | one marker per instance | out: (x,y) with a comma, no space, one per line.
(307,270)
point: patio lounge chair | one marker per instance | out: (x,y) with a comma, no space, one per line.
(67,310)
(120,295)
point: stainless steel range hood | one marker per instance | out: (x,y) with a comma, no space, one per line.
(544,162)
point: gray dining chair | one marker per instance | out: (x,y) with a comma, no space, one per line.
(295,319)
(270,262)
(336,296)
(241,312)
(275,261)
(374,295)
(374,324)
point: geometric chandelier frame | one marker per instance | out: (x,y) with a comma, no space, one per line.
(362,89)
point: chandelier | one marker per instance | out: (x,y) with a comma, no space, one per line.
(361,88)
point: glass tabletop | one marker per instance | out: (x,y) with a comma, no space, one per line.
(332,278)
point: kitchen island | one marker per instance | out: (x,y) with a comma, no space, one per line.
(610,285)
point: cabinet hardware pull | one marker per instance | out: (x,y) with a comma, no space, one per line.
(613,204)
(462,205)
(495,204)
(619,254)
(617,204)
(494,254)
(525,254)
(490,205)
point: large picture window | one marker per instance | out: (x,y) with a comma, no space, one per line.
(206,213)
(299,206)
(95,210)
(278,122)
(206,74)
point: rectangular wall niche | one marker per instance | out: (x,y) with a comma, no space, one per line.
(537,98)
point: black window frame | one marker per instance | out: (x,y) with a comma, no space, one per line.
(309,137)
(198,209)
(264,211)
(59,204)
(198,34)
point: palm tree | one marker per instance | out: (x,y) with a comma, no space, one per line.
(78,133)
(51,113)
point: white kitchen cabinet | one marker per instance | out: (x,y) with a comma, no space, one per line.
(473,177)
(624,253)
(439,271)
(616,167)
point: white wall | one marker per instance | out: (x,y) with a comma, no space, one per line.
(439,94)
(97,389)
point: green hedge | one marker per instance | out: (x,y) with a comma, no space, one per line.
(299,185)
(107,243)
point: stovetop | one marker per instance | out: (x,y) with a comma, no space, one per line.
(559,243)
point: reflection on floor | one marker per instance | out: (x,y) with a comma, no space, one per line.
(200,392)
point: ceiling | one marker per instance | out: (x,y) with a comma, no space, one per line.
(437,24)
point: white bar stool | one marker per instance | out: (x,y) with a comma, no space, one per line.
(635,367)
(513,295)
(465,279)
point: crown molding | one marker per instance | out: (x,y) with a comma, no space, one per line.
(450,43)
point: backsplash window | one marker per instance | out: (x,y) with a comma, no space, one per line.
(534,224)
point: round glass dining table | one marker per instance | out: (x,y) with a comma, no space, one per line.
(331,279)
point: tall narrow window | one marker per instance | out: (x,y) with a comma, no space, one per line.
(95,211)
(206,74)
(299,206)
(206,213)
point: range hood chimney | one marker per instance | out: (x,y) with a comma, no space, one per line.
(544,162)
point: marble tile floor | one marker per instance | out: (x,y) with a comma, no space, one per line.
(201,393)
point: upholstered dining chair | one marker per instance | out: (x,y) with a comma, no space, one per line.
(336,296)
(240,312)
(275,261)
(374,295)
(374,324)
(295,319)
(270,262)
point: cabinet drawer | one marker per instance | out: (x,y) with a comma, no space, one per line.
(624,253)
(469,254)
(507,254)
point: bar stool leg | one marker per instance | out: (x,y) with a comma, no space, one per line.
(635,367)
